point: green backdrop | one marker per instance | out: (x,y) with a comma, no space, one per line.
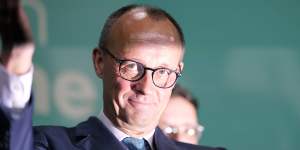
(242,62)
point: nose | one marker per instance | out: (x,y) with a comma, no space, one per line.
(183,138)
(177,137)
(145,84)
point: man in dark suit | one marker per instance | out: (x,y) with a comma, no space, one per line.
(139,58)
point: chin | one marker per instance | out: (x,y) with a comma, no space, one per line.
(142,119)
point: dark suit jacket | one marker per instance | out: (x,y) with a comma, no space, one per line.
(16,134)
(93,135)
(16,128)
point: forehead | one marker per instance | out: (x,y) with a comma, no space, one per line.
(186,106)
(152,55)
(179,108)
(136,35)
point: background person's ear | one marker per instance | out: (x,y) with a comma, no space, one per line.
(98,61)
(181,65)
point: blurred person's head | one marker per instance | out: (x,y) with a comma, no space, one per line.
(139,58)
(179,120)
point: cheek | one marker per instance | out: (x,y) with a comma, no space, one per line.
(112,85)
(164,98)
(113,82)
(122,87)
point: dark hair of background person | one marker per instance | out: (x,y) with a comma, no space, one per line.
(182,92)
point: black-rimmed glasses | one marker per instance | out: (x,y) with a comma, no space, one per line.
(133,71)
(192,131)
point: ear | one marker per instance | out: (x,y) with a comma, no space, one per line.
(98,62)
(181,65)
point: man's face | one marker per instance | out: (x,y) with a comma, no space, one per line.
(181,116)
(137,105)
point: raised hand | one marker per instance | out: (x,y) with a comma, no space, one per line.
(17,43)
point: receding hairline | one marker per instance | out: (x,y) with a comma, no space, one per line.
(154,13)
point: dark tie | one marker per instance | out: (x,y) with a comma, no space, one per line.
(136,144)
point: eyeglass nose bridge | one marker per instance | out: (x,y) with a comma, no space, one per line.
(144,73)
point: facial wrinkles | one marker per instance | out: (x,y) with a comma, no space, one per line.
(152,37)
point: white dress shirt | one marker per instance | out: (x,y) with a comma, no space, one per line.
(121,135)
(15,90)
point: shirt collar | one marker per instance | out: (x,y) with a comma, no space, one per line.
(121,135)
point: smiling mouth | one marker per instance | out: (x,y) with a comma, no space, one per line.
(139,101)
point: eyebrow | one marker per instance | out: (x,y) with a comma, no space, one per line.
(160,66)
(138,61)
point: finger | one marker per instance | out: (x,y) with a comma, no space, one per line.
(9,4)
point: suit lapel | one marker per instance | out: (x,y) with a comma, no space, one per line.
(93,135)
(161,142)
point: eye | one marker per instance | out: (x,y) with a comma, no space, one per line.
(170,130)
(129,66)
(191,132)
(131,70)
(163,72)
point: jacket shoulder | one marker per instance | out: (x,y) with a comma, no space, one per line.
(186,146)
(43,135)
